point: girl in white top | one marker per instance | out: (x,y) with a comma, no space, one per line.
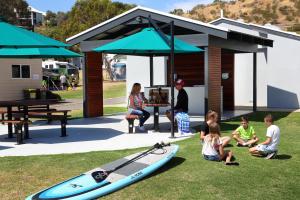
(213,149)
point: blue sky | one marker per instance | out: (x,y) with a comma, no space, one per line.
(162,5)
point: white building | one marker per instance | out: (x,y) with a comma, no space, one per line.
(278,68)
(36,16)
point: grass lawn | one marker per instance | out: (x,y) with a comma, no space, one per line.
(187,176)
(108,110)
(110,90)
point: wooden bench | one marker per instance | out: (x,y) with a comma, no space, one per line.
(53,115)
(18,124)
(130,118)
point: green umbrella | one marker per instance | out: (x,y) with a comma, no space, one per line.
(11,35)
(44,52)
(146,42)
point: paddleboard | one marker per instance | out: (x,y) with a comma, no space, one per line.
(85,185)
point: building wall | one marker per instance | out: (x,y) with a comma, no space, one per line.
(278,69)
(12,89)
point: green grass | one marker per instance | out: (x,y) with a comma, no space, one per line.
(110,90)
(187,176)
(108,110)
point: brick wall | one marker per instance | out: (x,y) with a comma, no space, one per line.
(93,105)
(214,76)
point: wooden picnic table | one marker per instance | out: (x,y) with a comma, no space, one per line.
(25,104)
(156,107)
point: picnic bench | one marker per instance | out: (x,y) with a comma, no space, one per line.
(18,124)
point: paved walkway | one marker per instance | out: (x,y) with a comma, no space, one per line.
(84,135)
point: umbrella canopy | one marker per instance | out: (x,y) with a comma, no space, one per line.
(11,35)
(146,42)
(42,52)
(16,42)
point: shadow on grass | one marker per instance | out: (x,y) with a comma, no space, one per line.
(174,162)
(283,157)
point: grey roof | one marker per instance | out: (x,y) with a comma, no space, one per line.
(256,27)
(135,19)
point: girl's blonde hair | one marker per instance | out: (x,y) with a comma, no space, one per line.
(135,88)
(211,114)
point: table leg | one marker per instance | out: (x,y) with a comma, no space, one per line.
(156,118)
(9,117)
(26,127)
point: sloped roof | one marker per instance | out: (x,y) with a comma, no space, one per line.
(256,27)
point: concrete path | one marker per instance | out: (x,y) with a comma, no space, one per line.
(85,135)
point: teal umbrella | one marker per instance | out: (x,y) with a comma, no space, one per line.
(16,42)
(11,35)
(34,52)
(146,42)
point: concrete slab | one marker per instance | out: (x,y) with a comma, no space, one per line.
(85,135)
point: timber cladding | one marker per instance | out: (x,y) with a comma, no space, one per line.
(189,67)
(93,85)
(214,78)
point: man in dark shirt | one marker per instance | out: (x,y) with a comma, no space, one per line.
(182,104)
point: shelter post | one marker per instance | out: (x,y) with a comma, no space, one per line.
(254,82)
(93,85)
(172,78)
(214,79)
(206,80)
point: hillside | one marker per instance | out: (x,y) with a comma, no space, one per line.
(283,13)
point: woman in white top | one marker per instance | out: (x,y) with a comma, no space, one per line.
(136,105)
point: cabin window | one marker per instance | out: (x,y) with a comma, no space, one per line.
(20,71)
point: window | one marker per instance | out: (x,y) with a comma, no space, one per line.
(51,66)
(20,71)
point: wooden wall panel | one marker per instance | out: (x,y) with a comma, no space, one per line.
(189,67)
(228,85)
(93,104)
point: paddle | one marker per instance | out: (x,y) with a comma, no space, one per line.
(102,175)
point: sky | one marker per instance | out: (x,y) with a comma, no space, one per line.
(161,5)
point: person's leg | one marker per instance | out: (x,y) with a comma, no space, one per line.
(225,140)
(238,139)
(139,113)
(257,151)
(144,117)
(252,141)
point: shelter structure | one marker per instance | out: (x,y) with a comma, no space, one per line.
(278,68)
(207,69)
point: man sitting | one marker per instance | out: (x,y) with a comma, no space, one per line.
(245,134)
(269,147)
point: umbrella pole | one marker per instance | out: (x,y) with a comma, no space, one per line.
(151,70)
(172,79)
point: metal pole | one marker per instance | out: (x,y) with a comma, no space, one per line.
(254,82)
(151,70)
(172,78)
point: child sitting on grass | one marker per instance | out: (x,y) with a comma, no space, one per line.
(245,134)
(213,149)
(269,147)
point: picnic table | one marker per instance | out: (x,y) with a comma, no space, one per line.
(25,105)
(156,107)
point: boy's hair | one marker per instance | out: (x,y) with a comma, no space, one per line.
(269,118)
(214,128)
(211,114)
(245,118)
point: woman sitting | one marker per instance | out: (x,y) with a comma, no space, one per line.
(135,107)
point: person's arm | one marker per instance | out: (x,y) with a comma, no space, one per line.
(202,135)
(267,141)
(235,132)
(131,102)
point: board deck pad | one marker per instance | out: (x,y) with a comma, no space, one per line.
(85,187)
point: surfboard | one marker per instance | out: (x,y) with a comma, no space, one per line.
(85,185)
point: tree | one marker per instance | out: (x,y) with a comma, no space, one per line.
(15,12)
(177,12)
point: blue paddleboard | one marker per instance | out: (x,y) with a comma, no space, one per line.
(85,185)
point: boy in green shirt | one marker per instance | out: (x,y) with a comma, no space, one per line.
(245,134)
